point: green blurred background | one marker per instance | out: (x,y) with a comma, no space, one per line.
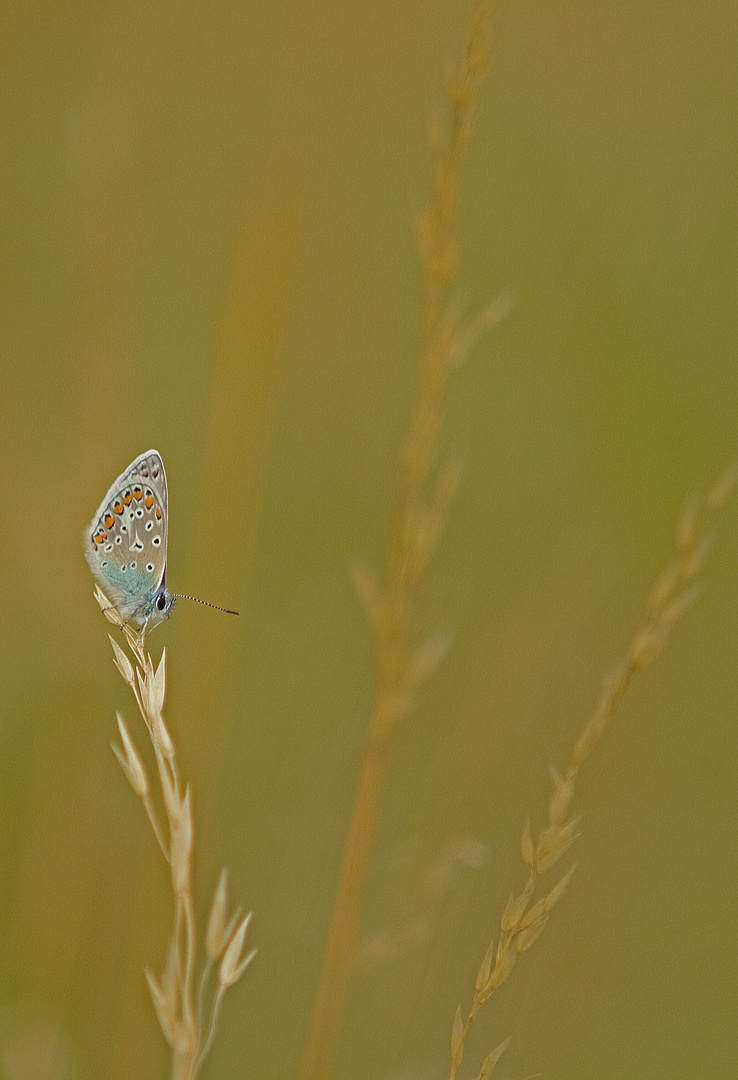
(207,249)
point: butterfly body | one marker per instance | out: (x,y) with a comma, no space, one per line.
(126,542)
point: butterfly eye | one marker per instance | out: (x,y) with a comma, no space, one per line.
(161,602)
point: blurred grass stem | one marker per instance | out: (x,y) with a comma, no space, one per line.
(418,516)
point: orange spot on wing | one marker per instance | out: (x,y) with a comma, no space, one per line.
(108,521)
(127,497)
(118,507)
(137,491)
(149,500)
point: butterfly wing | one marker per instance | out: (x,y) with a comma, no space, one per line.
(126,542)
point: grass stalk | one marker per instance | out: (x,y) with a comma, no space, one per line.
(419,514)
(188,1013)
(522,920)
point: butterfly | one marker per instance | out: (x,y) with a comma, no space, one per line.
(126,544)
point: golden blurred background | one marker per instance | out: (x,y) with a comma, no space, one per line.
(207,248)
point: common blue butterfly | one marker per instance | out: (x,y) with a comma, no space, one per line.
(126,544)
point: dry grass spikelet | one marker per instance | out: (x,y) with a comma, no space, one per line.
(524,920)
(188,1014)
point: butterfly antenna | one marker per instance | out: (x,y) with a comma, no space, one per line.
(184,596)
